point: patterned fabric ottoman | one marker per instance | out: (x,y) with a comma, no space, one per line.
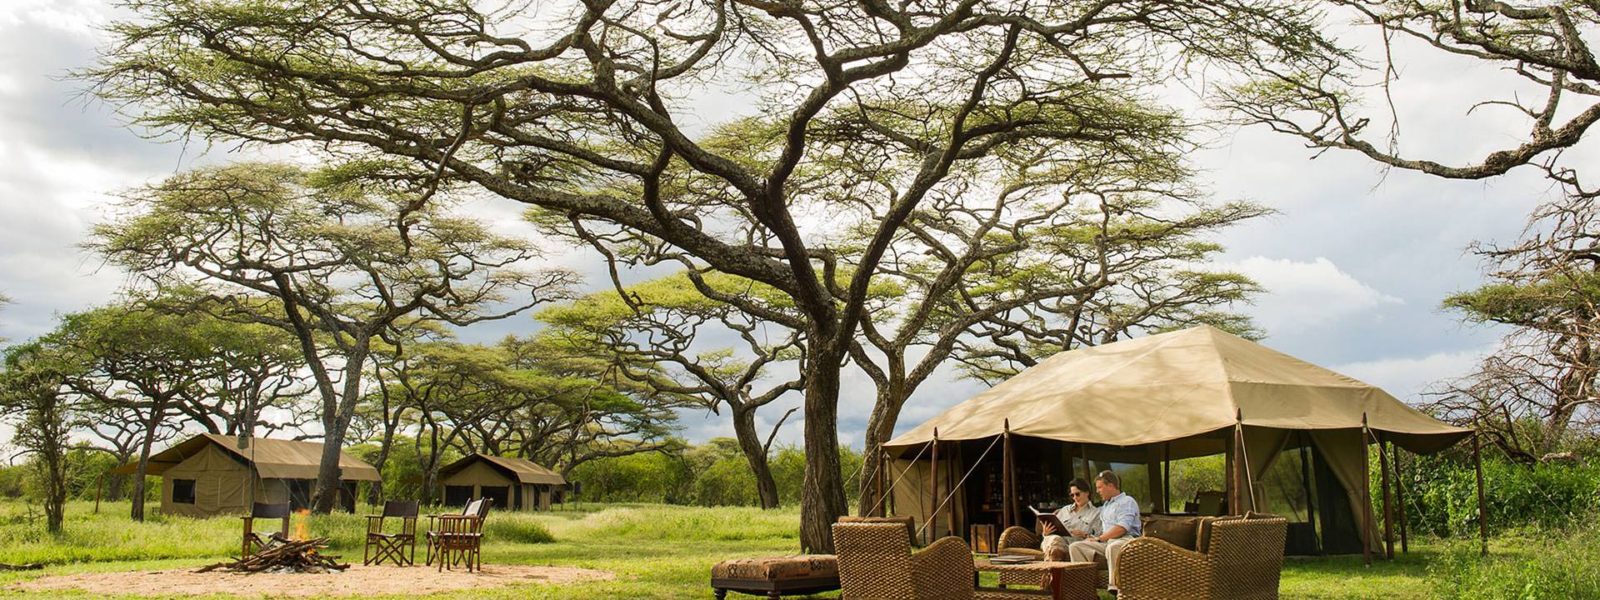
(776,577)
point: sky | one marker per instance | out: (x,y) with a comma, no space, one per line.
(1356,259)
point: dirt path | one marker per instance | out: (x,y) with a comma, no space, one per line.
(358,580)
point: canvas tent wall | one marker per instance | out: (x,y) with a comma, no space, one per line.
(1189,393)
(513,483)
(209,474)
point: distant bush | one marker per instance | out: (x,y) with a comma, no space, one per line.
(1441,494)
(516,528)
(711,474)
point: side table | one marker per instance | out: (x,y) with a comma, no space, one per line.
(1067,580)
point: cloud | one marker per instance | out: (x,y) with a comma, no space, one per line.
(1301,296)
(1406,377)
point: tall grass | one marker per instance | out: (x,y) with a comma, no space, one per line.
(680,523)
(1552,564)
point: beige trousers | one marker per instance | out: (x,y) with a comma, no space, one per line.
(1054,543)
(1085,551)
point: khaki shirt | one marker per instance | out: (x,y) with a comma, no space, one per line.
(1087,519)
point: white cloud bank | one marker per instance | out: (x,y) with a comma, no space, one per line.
(1301,296)
(1407,377)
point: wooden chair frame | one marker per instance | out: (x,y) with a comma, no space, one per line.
(254,541)
(454,539)
(399,548)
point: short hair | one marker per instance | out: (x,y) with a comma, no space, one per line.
(1110,478)
(1078,482)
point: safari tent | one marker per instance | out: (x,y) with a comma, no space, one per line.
(513,483)
(1138,406)
(209,474)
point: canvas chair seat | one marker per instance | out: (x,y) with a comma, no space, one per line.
(399,547)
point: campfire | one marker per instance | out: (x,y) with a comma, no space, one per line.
(299,553)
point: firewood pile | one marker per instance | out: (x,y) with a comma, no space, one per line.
(284,556)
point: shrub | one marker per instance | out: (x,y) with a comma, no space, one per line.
(1441,494)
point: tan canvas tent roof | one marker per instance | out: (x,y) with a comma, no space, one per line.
(273,459)
(524,470)
(1178,385)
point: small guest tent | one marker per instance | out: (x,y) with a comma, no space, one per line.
(210,474)
(513,483)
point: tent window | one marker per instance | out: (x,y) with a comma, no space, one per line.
(183,491)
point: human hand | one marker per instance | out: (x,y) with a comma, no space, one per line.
(1048,528)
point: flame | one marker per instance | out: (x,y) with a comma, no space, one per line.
(302,526)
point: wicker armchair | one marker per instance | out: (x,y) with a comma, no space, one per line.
(1020,540)
(1237,558)
(876,563)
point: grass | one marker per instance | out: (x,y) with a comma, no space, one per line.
(657,552)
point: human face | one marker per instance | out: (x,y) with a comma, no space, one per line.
(1104,489)
(1079,497)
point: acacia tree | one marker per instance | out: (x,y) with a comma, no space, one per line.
(590,410)
(1544,46)
(561,113)
(655,331)
(120,431)
(1071,250)
(1547,288)
(345,255)
(128,360)
(34,394)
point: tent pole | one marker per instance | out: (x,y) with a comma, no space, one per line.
(1366,496)
(933,483)
(1008,493)
(1240,477)
(1388,502)
(1088,469)
(1400,498)
(1166,476)
(883,465)
(1483,517)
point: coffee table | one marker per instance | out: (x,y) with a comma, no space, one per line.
(1062,580)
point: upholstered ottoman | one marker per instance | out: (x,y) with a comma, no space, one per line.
(776,577)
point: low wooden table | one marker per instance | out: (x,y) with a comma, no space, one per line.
(1067,580)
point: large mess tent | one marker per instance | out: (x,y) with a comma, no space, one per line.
(1136,406)
(211,474)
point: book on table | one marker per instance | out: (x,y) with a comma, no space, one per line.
(1012,559)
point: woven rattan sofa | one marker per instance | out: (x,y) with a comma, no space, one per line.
(1234,557)
(1179,531)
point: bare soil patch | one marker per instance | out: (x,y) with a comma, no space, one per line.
(358,580)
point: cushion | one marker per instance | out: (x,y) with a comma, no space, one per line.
(910,523)
(805,566)
(1178,531)
(1202,537)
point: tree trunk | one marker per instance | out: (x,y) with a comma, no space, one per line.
(822,498)
(744,428)
(375,491)
(335,426)
(114,485)
(880,426)
(137,509)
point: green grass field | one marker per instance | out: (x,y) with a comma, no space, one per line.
(655,551)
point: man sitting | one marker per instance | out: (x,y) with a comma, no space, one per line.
(1119,524)
(1082,519)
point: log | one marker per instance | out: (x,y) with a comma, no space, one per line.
(298,555)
